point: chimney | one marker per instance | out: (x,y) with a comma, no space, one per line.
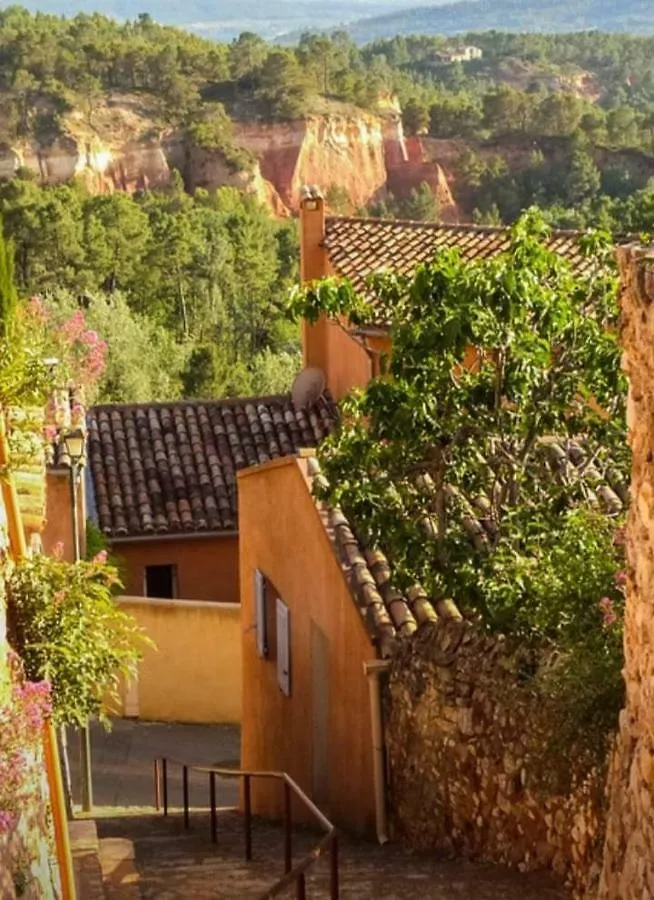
(313,257)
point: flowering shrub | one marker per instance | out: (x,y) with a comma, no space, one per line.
(38,354)
(80,352)
(21,725)
(65,624)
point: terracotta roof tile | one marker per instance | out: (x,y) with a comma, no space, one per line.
(359,247)
(171,468)
(392,616)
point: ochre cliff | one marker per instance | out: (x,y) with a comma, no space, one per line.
(328,151)
(363,155)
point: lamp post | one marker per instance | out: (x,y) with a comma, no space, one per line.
(74,446)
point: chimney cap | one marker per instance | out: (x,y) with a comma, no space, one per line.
(311,192)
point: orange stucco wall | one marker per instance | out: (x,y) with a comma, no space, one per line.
(58,516)
(207,568)
(327,345)
(283,536)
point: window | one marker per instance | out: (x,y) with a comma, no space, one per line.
(283,648)
(161,581)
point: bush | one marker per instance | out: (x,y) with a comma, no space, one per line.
(68,630)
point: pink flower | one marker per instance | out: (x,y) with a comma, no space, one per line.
(58,550)
(50,432)
(7,821)
(37,310)
(100,557)
(609,615)
(619,537)
(90,338)
(621,577)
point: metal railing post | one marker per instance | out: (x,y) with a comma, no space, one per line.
(288,832)
(301,887)
(185,795)
(333,869)
(212,800)
(157,786)
(247,810)
(164,775)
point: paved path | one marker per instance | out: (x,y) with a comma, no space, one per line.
(122,761)
(176,865)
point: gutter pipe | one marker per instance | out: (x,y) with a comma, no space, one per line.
(373,669)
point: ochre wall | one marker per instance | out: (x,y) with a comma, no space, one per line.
(207,568)
(58,515)
(326,345)
(195,672)
(283,536)
(628,872)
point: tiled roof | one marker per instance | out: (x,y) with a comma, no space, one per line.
(358,248)
(171,468)
(391,615)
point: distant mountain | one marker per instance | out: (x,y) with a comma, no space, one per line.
(224,20)
(636,16)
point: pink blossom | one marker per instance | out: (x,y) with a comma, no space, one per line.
(621,577)
(37,310)
(58,550)
(609,616)
(90,338)
(7,821)
(100,557)
(50,432)
(619,537)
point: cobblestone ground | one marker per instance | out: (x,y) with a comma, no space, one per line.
(175,865)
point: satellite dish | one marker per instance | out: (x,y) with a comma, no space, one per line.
(307,387)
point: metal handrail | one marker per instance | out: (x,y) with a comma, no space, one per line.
(292,874)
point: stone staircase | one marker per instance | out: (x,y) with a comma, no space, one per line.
(104,869)
(146,856)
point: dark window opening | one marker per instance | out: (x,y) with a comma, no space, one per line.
(160,581)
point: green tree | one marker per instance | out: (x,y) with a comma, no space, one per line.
(415,117)
(432,444)
(584,178)
(421,205)
(8,293)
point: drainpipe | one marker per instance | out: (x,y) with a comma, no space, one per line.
(373,670)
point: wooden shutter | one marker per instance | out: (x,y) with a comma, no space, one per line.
(283,648)
(260,612)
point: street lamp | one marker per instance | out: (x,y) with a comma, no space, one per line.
(73,442)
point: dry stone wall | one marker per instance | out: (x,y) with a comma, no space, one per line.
(472,765)
(629,855)
(28,865)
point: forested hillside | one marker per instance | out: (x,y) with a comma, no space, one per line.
(635,16)
(199,282)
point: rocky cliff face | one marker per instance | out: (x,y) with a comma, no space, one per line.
(363,155)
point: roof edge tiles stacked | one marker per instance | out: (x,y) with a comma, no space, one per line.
(390,616)
(161,469)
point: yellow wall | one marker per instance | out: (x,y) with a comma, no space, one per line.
(283,536)
(195,672)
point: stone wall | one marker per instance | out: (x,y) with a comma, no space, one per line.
(473,771)
(28,866)
(629,855)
